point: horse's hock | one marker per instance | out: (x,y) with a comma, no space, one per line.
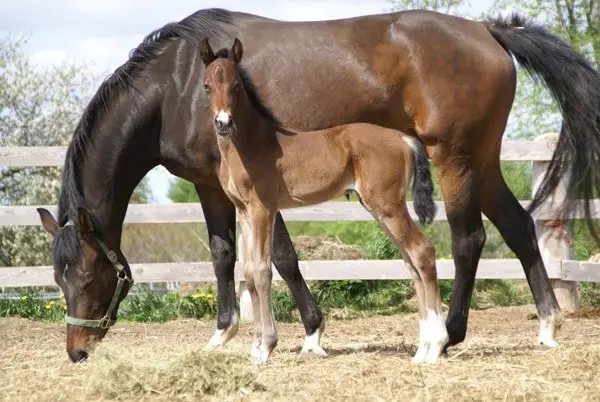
(555,237)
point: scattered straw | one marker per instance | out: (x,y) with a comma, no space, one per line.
(369,360)
(116,374)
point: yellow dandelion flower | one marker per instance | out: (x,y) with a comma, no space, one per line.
(196,295)
(24,298)
(51,302)
(61,296)
(209,296)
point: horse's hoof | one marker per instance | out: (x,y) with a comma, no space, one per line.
(314,351)
(542,347)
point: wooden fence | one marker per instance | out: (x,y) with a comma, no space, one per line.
(558,254)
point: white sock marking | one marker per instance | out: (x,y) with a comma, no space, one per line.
(312,343)
(419,356)
(222,336)
(548,331)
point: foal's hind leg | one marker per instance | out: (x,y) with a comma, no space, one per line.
(517,228)
(419,255)
(423,347)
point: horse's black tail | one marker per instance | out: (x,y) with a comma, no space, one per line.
(422,183)
(575,85)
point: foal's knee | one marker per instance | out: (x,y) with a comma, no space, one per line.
(263,276)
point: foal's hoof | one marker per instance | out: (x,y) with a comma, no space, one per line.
(259,355)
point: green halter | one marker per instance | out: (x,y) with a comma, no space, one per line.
(106,321)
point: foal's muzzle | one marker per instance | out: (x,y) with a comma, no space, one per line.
(224,123)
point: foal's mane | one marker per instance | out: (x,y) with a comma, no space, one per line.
(217,23)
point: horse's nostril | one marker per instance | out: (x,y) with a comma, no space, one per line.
(78,355)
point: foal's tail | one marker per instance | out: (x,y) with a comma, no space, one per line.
(422,183)
(575,86)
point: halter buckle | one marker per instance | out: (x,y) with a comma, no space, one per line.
(104,323)
(112,256)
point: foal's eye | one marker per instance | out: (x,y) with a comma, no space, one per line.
(207,88)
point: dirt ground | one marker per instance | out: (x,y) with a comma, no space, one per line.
(369,359)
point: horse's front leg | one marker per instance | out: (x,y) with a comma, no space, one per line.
(261,223)
(219,213)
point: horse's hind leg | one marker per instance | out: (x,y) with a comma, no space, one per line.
(517,228)
(458,185)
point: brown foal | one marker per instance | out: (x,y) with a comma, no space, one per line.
(265,168)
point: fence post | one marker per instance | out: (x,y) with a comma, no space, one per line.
(555,242)
(245,299)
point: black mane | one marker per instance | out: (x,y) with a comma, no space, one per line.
(216,23)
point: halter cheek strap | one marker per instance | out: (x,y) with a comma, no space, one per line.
(106,321)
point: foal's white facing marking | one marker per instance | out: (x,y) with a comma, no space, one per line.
(223,117)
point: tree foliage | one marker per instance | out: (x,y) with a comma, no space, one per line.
(182,190)
(38,107)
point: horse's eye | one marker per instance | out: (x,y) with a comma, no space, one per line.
(207,88)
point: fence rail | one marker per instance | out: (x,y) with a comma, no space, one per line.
(561,265)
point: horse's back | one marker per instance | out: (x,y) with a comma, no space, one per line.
(404,70)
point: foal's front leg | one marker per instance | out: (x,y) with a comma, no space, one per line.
(251,285)
(262,221)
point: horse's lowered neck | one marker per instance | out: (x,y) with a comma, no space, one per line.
(124,149)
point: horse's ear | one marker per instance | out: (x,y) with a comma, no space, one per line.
(85,225)
(237,50)
(48,222)
(206,52)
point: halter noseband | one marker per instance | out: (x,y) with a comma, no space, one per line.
(105,322)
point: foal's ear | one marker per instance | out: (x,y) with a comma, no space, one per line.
(237,50)
(206,52)
(48,222)
(85,225)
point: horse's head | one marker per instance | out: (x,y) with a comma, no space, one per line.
(223,84)
(93,279)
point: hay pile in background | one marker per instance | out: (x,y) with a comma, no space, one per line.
(116,374)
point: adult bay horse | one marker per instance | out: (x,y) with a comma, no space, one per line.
(266,167)
(446,80)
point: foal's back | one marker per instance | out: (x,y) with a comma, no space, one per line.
(316,166)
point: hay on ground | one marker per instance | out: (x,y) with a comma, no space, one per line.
(114,373)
